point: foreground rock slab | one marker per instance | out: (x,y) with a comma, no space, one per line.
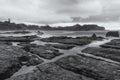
(50,71)
(9,60)
(93,68)
(109,53)
(73,67)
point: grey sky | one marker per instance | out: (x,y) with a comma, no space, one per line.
(60,10)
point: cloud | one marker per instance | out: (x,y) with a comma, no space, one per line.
(81,8)
(18,9)
(60,10)
(110,12)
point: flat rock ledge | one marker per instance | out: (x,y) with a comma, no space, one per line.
(74,67)
(12,59)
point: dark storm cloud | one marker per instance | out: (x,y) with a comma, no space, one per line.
(110,12)
(100,18)
(89,10)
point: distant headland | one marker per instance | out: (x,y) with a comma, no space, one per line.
(8,25)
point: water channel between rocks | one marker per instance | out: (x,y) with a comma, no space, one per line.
(74,51)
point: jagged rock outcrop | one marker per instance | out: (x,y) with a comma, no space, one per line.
(112,34)
(94,36)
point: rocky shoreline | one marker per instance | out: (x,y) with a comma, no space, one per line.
(61,61)
(72,41)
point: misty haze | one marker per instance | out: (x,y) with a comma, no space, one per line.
(59,40)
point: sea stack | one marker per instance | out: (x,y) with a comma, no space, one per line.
(112,34)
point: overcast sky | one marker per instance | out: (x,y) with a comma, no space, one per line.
(49,11)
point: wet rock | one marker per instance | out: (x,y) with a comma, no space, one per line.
(115,44)
(34,60)
(18,32)
(21,32)
(27,46)
(9,60)
(31,36)
(23,44)
(104,52)
(45,52)
(62,46)
(112,34)
(50,71)
(40,33)
(93,68)
(5,43)
(69,40)
(94,36)
(16,39)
